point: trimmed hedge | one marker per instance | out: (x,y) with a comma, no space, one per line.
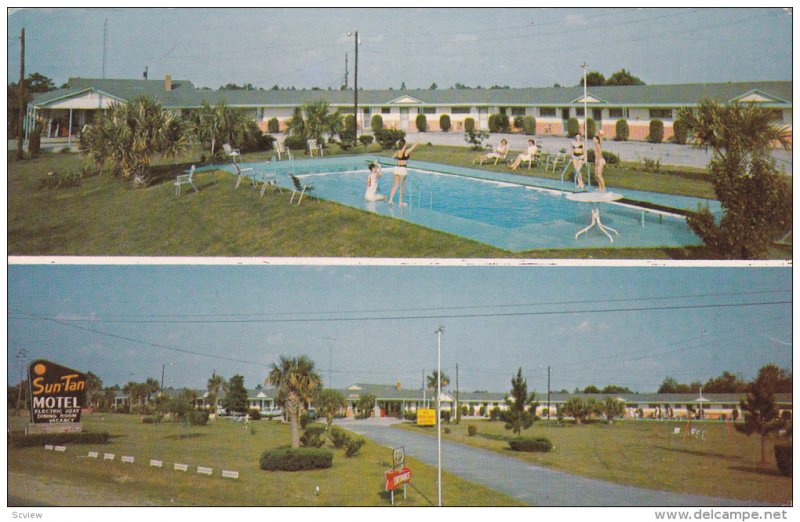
(388,138)
(656,131)
(421,122)
(622,130)
(254,414)
(472,430)
(20,440)
(783,456)
(573,127)
(680,132)
(366,139)
(286,458)
(376,123)
(538,444)
(529,125)
(469,124)
(444,123)
(273,126)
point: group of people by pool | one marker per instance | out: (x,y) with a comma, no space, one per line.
(403,153)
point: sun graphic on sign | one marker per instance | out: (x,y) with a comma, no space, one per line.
(39,369)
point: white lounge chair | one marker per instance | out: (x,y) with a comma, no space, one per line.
(267,179)
(232,153)
(240,173)
(185,179)
(282,150)
(299,188)
(314,148)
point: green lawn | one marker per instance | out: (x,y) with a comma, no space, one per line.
(223,444)
(645,454)
(106,216)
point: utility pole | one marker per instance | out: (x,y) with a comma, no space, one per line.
(346,71)
(162,378)
(439,332)
(548,392)
(22,356)
(458,410)
(23,106)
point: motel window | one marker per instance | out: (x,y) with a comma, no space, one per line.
(597,114)
(367,111)
(578,111)
(429,110)
(518,111)
(460,110)
(616,113)
(662,114)
(386,110)
(547,112)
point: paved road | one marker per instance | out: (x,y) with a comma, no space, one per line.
(532,484)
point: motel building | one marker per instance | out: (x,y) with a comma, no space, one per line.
(64,112)
(396,401)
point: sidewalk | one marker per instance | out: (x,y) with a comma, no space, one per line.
(532,484)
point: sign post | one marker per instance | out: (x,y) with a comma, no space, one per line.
(57,395)
(399,474)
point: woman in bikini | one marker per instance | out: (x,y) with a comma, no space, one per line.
(577,158)
(599,162)
(400,171)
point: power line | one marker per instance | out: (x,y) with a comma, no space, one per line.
(163,317)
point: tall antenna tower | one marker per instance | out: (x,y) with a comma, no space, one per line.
(105,45)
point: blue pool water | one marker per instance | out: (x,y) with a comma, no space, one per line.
(507,215)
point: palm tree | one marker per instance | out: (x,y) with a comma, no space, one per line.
(296,382)
(314,120)
(328,403)
(432,380)
(128,136)
(215,384)
(755,196)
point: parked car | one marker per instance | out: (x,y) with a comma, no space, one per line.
(221,412)
(275,413)
(312,413)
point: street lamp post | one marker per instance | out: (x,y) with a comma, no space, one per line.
(439,332)
(355,82)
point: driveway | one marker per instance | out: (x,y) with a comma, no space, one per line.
(667,153)
(534,485)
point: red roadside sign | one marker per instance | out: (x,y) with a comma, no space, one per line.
(397,477)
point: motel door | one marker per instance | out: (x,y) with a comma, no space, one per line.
(404,118)
(483,118)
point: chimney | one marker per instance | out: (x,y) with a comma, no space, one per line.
(168,82)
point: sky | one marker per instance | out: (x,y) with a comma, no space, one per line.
(630,326)
(306,47)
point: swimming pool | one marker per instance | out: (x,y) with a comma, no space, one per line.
(507,215)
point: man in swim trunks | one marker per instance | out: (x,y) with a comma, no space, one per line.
(372,183)
(400,171)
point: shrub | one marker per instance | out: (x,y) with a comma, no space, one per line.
(472,430)
(254,140)
(254,414)
(446,431)
(273,125)
(313,437)
(152,419)
(286,458)
(56,179)
(621,130)
(388,138)
(495,413)
(422,123)
(469,124)
(444,122)
(680,132)
(498,123)
(339,438)
(783,456)
(475,138)
(529,125)
(295,142)
(366,139)
(573,127)
(517,123)
(446,416)
(197,418)
(21,440)
(482,410)
(656,131)
(349,128)
(35,140)
(524,444)
(412,416)
(376,123)
(591,128)
(610,157)
(353,447)
(651,165)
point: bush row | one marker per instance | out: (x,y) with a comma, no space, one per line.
(540,444)
(21,440)
(286,458)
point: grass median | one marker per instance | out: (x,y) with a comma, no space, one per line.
(646,454)
(222,444)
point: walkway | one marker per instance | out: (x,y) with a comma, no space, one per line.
(532,484)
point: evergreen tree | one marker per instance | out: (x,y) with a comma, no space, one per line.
(518,417)
(760,412)
(236,397)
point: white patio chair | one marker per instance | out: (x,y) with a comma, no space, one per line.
(240,173)
(314,148)
(282,150)
(185,179)
(232,153)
